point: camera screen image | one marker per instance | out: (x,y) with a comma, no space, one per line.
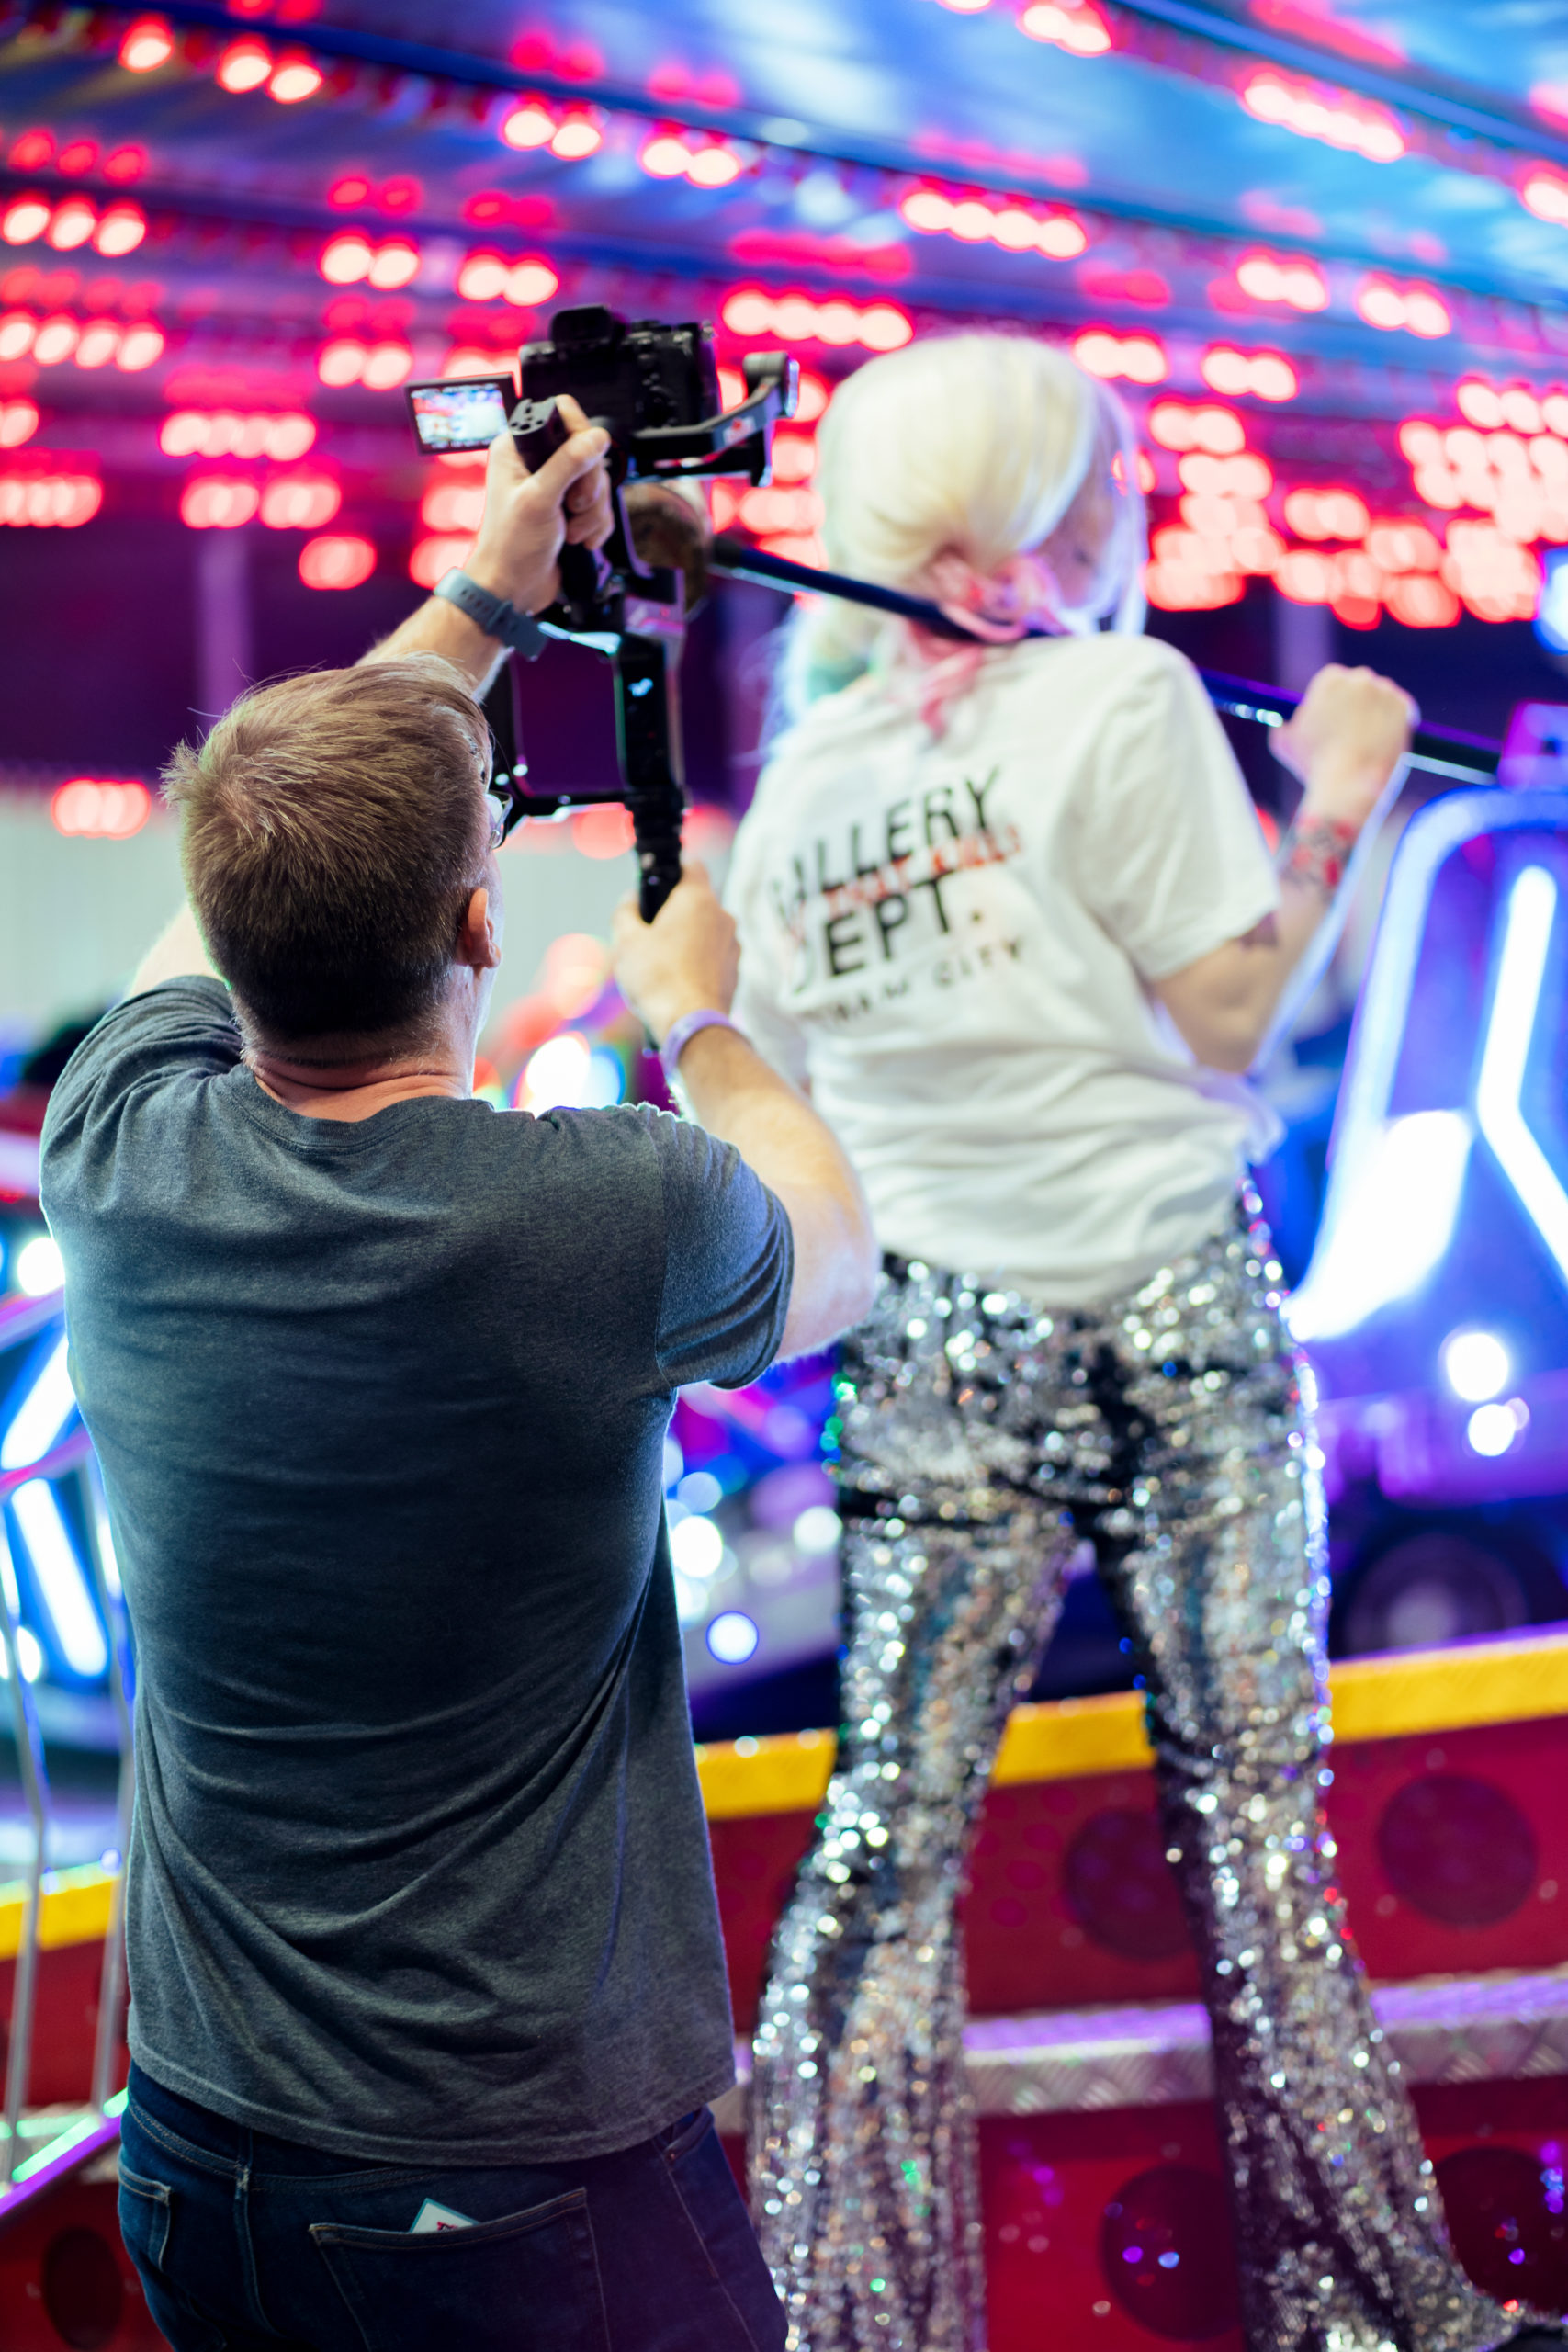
(463,415)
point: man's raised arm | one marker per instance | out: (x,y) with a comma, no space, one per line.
(528,518)
(685,961)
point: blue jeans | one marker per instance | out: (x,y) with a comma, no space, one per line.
(245,2243)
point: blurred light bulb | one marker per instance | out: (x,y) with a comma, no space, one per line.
(1492,1429)
(1476,1365)
(817,1529)
(38,1266)
(732,1637)
(696,1547)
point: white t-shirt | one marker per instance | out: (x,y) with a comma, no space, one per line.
(954,940)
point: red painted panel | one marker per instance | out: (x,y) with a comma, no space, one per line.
(60,2265)
(65,2021)
(1033,1945)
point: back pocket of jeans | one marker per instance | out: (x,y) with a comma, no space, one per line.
(526,2283)
(145,2208)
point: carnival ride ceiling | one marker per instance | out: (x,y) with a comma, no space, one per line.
(1375,189)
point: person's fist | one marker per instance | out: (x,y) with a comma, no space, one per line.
(1348,733)
(685,960)
(528,518)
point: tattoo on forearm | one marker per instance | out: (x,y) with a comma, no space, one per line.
(1316,853)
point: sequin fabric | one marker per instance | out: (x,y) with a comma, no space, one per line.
(981,1440)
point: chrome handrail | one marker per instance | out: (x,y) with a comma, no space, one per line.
(35,1781)
(112,1978)
(20,1319)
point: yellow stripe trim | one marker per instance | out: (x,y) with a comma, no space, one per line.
(76,1904)
(1374,1698)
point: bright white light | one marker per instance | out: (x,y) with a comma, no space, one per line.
(30,1652)
(691,1602)
(108,1558)
(38,1266)
(568,1074)
(1522,968)
(700,1490)
(674,1460)
(41,1415)
(1492,1429)
(60,1577)
(696,1547)
(1475,1364)
(732,1637)
(1393,1228)
(817,1529)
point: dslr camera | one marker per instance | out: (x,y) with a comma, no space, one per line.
(654,389)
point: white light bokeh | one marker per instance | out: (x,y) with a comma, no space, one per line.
(696,1547)
(41,1415)
(60,1577)
(1493,1428)
(817,1529)
(567,1073)
(1476,1366)
(38,1266)
(733,1637)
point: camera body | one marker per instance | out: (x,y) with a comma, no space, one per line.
(655,389)
(631,376)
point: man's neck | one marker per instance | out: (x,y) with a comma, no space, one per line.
(358,1089)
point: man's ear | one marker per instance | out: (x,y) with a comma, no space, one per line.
(479,942)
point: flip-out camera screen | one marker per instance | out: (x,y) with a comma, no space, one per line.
(465,415)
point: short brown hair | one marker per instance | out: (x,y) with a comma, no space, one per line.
(334,827)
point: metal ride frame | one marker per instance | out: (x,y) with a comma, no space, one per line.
(24,2176)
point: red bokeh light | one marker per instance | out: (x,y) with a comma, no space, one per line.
(95,808)
(1076,27)
(1175,426)
(751,314)
(244,65)
(346,562)
(61,502)
(18,422)
(1267,375)
(125,163)
(230,433)
(1140,358)
(441,553)
(1332,512)
(528,124)
(31,151)
(147,44)
(300,501)
(294,78)
(218,501)
(1314,111)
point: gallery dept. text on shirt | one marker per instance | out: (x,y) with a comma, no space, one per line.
(954,937)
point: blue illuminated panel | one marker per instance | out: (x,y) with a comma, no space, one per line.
(1447,1203)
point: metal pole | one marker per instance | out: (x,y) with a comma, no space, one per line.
(111,1980)
(35,1781)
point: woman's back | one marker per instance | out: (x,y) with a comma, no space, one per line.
(953,937)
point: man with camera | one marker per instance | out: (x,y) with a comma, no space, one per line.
(428,1995)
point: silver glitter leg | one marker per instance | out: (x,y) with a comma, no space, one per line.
(980,1438)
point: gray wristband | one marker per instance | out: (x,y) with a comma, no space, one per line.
(499,619)
(681,1037)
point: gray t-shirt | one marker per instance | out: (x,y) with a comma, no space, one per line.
(419,1869)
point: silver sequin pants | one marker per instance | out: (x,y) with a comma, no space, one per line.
(981,1440)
